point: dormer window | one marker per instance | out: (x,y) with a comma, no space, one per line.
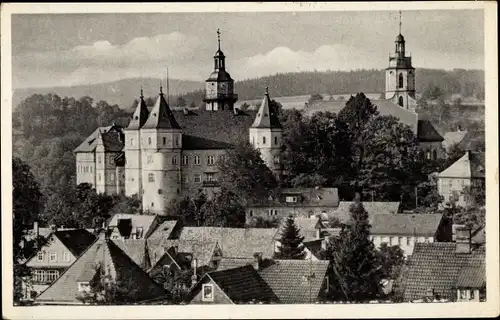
(291,199)
(318,197)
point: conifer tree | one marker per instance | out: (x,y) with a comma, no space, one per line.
(291,242)
(356,270)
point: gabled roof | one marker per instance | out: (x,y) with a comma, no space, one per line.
(144,221)
(453,138)
(111,143)
(266,116)
(203,251)
(473,140)
(139,116)
(315,247)
(405,224)
(470,165)
(372,207)
(437,266)
(307,197)
(112,260)
(135,249)
(427,132)
(234,242)
(241,285)
(165,229)
(161,117)
(289,279)
(77,240)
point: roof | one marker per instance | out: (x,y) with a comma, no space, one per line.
(220,75)
(453,138)
(307,197)
(400,38)
(427,132)
(242,284)
(308,226)
(234,242)
(470,165)
(111,140)
(165,229)
(77,240)
(114,262)
(288,279)
(203,251)
(473,140)
(439,267)
(266,116)
(136,250)
(110,143)
(372,207)
(384,107)
(315,247)
(405,224)
(161,116)
(144,221)
(139,116)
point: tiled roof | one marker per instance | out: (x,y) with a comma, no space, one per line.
(471,165)
(243,284)
(77,241)
(405,224)
(203,251)
(314,246)
(230,263)
(288,279)
(221,75)
(266,116)
(161,116)
(427,132)
(135,249)
(373,208)
(198,143)
(110,143)
(452,138)
(234,242)
(112,140)
(307,197)
(165,229)
(473,140)
(114,262)
(139,116)
(437,266)
(144,221)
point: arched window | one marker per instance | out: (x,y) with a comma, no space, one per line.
(276,140)
(400,101)
(401,80)
(434,154)
(264,140)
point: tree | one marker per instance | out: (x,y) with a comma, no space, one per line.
(432,92)
(428,195)
(291,246)
(244,106)
(391,258)
(314,97)
(188,209)
(243,171)
(174,280)
(181,102)
(356,267)
(26,205)
(223,210)
(192,105)
(260,222)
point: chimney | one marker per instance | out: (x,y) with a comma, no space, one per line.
(36,229)
(463,240)
(236,111)
(53,228)
(257,260)
(185,111)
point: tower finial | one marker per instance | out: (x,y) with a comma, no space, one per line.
(218,38)
(399,21)
(142,95)
(161,89)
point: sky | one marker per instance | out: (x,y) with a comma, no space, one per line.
(70,49)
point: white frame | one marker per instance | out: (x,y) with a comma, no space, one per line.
(53,254)
(40,256)
(66,256)
(203,297)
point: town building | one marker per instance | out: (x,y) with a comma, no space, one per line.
(406,230)
(454,271)
(342,213)
(163,154)
(466,172)
(133,226)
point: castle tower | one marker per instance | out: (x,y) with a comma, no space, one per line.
(133,154)
(219,86)
(161,145)
(400,76)
(266,135)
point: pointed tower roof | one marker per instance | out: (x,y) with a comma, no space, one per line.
(140,115)
(266,117)
(102,256)
(161,117)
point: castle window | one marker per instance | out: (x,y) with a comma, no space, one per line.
(210,177)
(149,140)
(99,177)
(164,141)
(152,204)
(177,141)
(197,177)
(184,178)
(401,80)
(276,140)
(174,160)
(185,160)
(131,141)
(400,101)
(160,191)
(151,177)
(99,159)
(263,140)
(196,160)
(90,169)
(276,159)
(250,213)
(149,159)
(210,160)
(112,176)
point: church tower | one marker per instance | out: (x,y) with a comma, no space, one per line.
(400,76)
(133,154)
(161,145)
(219,86)
(266,135)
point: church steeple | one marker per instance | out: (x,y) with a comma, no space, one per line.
(266,116)
(219,58)
(140,114)
(400,41)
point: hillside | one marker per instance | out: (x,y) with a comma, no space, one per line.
(122,92)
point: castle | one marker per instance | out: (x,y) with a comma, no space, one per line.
(164,154)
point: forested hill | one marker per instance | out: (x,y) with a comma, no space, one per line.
(467,83)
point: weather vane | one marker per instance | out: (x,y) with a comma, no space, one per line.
(399,21)
(218,37)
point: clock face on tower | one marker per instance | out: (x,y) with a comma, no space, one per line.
(223,87)
(211,89)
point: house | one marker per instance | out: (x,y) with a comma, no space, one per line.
(292,281)
(61,249)
(468,171)
(297,202)
(406,230)
(132,226)
(342,213)
(473,140)
(102,259)
(452,139)
(136,250)
(169,229)
(454,271)
(232,286)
